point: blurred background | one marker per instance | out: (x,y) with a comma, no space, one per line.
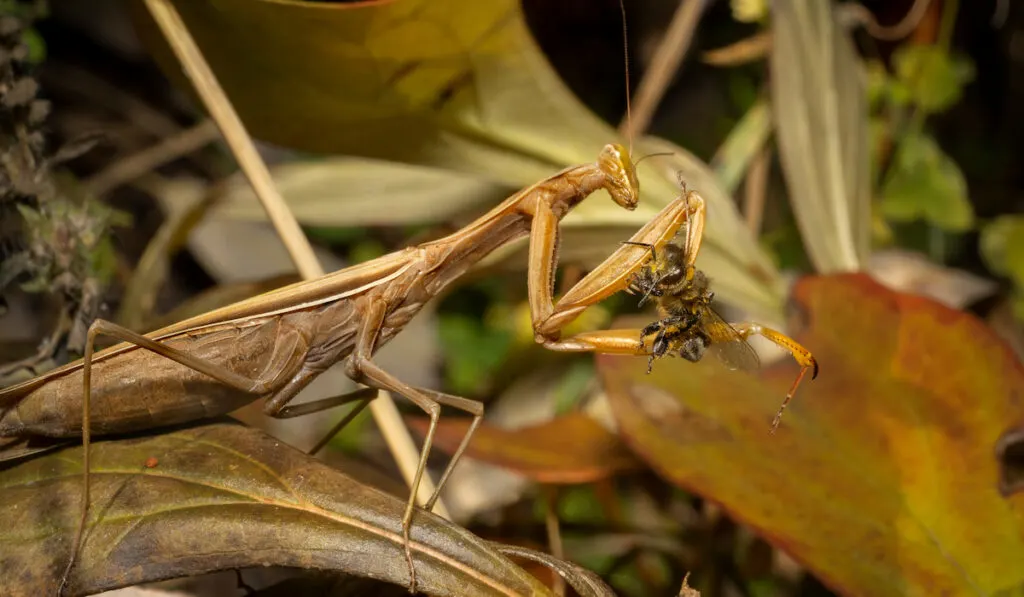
(861,164)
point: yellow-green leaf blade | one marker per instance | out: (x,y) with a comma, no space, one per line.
(883,477)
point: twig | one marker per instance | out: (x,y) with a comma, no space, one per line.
(147,160)
(856,13)
(396,435)
(237,137)
(112,98)
(666,61)
(550,496)
(743,51)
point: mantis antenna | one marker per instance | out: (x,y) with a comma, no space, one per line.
(628,125)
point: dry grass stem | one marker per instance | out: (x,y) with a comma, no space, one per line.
(396,435)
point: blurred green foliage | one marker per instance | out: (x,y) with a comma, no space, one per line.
(352,437)
(928,77)
(1002,247)
(29,12)
(472,350)
(749,11)
(65,242)
(572,387)
(919,180)
(925,183)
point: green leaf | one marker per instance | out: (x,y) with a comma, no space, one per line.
(36,46)
(217,497)
(580,505)
(473,351)
(877,83)
(1002,247)
(745,141)
(933,77)
(925,183)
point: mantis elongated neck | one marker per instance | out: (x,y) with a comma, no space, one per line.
(511,220)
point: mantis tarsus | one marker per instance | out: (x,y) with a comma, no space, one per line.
(273,345)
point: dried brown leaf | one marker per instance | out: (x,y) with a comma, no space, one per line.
(217,497)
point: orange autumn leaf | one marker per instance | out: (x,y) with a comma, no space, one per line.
(883,478)
(569,449)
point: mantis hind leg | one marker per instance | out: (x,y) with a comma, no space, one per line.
(361,368)
(110,329)
(363,396)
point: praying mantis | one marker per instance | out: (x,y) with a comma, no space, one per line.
(273,345)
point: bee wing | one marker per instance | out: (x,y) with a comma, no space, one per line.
(727,344)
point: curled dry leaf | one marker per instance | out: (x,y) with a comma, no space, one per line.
(223,496)
(583,581)
(686,590)
(568,449)
(884,478)
(745,141)
(744,51)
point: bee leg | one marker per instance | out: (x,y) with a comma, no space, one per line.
(658,349)
(801,355)
(650,329)
(654,253)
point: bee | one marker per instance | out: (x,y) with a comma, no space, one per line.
(688,325)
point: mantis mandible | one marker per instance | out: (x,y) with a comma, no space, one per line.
(273,345)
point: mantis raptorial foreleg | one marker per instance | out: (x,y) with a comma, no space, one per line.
(624,341)
(611,276)
(614,275)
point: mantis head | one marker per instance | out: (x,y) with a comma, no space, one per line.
(621,181)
